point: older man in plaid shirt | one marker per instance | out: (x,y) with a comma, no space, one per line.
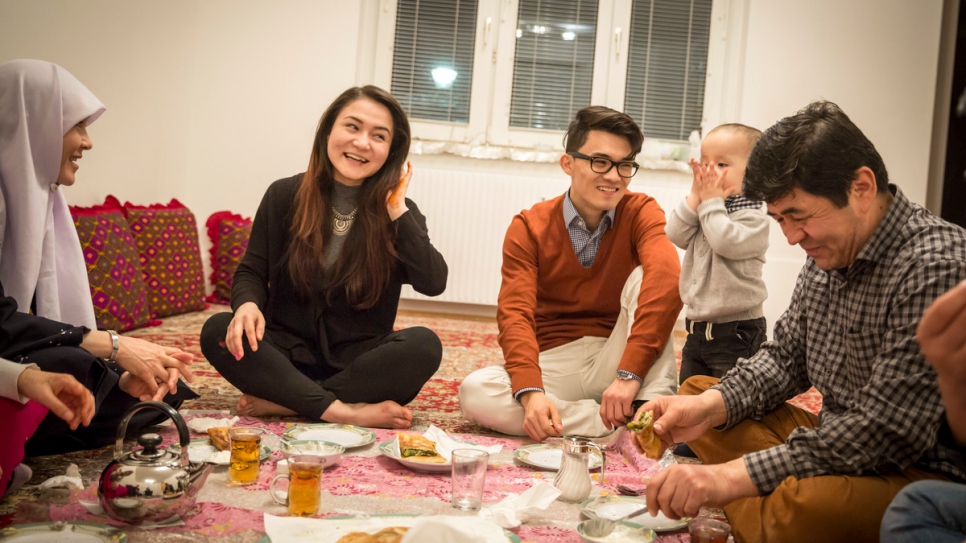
(875,262)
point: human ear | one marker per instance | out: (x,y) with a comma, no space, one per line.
(864,189)
(567,163)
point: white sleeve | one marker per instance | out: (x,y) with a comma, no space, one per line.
(9,374)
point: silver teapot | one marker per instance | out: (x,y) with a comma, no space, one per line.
(151,485)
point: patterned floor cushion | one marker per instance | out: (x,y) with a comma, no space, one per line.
(113,266)
(167,240)
(229,235)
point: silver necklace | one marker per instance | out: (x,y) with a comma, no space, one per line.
(341,223)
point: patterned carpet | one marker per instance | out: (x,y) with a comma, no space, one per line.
(365,481)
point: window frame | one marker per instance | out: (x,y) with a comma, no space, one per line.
(489,115)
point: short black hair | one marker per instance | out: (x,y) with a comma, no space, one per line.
(819,150)
(604,119)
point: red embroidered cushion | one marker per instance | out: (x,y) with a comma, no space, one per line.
(229,235)
(113,267)
(167,241)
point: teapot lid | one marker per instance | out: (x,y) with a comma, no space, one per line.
(150,455)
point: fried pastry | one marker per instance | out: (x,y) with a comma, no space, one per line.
(643,431)
(219,437)
(393,534)
(418,448)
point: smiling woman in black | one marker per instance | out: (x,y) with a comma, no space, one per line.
(315,296)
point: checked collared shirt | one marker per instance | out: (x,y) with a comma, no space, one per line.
(851,334)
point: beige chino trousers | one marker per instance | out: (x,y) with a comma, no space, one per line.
(575,376)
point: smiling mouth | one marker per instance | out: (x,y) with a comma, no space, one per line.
(608,189)
(355,158)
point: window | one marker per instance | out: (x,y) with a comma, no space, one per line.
(513,72)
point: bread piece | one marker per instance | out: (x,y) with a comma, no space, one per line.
(219,437)
(392,534)
(419,449)
(643,430)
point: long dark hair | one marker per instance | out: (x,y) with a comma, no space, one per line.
(368,256)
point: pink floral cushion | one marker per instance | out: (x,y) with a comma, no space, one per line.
(113,266)
(229,235)
(167,241)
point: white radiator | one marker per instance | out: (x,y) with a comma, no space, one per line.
(468,213)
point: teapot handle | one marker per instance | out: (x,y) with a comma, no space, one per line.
(603,459)
(183,436)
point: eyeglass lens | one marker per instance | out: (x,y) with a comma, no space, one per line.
(603,165)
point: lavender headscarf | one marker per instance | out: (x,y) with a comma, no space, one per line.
(40,253)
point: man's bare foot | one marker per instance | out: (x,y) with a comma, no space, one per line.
(250,406)
(387,414)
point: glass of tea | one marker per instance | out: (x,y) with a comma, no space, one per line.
(304,485)
(708,530)
(246,444)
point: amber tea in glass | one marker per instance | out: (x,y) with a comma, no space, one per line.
(304,485)
(245,451)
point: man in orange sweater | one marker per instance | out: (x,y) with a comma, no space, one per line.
(588,301)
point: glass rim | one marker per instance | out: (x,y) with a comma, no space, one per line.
(472,454)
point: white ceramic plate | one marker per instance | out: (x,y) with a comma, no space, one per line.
(201,450)
(547,456)
(625,532)
(613,507)
(347,435)
(62,532)
(388,448)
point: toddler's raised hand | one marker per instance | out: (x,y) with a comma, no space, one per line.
(396,200)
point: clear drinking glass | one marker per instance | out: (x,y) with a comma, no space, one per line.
(304,485)
(469,477)
(246,444)
(708,530)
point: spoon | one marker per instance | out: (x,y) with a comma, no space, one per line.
(630,491)
(602,527)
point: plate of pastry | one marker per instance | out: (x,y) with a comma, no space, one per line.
(416,452)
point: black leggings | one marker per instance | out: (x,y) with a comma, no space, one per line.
(395,367)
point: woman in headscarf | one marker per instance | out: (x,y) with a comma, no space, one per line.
(44,115)
(315,297)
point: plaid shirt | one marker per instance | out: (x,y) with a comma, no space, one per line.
(851,334)
(585,243)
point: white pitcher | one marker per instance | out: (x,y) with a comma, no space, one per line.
(573,479)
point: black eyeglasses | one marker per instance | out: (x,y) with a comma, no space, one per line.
(599,164)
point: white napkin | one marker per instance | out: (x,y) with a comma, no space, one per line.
(71,481)
(313,530)
(202,424)
(514,509)
(445,444)
(443,529)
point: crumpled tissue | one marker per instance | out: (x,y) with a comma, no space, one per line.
(445,445)
(513,510)
(443,529)
(70,481)
(202,424)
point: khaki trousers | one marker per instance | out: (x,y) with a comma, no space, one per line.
(575,376)
(826,509)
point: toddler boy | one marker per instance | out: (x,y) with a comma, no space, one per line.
(725,236)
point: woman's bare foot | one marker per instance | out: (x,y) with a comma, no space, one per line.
(387,414)
(250,406)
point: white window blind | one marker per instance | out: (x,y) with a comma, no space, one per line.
(432,66)
(554,62)
(667,64)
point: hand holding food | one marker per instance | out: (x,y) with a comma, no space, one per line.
(643,431)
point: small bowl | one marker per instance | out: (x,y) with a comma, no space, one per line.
(331,451)
(625,532)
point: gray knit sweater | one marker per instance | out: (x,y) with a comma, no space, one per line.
(724,253)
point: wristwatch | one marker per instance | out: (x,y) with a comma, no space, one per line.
(625,375)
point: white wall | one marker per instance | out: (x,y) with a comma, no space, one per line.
(211,100)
